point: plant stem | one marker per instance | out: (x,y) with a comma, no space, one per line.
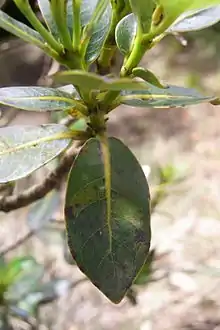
(130,62)
(76,24)
(120,10)
(32,194)
(138,51)
(29,14)
(59,15)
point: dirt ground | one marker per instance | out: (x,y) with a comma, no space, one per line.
(185,294)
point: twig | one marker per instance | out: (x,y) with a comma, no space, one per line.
(32,194)
(19,242)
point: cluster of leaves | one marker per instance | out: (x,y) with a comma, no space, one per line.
(107,206)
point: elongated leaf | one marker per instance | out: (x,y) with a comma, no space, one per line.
(111,268)
(99,31)
(125,33)
(45,9)
(148,76)
(196,20)
(172,96)
(174,8)
(21,30)
(36,98)
(23,149)
(143,9)
(92,81)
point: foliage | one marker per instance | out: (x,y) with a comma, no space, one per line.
(107,206)
(23,289)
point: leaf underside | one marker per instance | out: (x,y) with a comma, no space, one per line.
(112,271)
(196,20)
(171,96)
(35,98)
(17,162)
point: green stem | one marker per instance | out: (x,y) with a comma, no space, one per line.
(76,24)
(59,14)
(138,51)
(120,10)
(87,31)
(130,62)
(29,14)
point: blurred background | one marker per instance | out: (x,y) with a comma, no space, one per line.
(180,152)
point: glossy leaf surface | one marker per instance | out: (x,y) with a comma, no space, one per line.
(174,8)
(45,9)
(196,20)
(143,9)
(36,98)
(99,31)
(171,96)
(125,33)
(23,149)
(148,76)
(114,269)
(92,81)
(21,30)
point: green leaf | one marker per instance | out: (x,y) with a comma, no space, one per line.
(16,268)
(148,76)
(143,9)
(99,30)
(125,33)
(80,79)
(45,9)
(92,81)
(25,7)
(174,8)
(59,12)
(42,211)
(111,268)
(38,99)
(27,281)
(171,96)
(145,275)
(21,30)
(79,125)
(196,20)
(24,149)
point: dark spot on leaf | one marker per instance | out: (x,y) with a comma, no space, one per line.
(140,236)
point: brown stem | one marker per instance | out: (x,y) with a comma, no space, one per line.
(32,194)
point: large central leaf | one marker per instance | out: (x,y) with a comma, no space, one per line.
(112,267)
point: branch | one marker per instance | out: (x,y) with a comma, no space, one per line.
(32,194)
(19,242)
